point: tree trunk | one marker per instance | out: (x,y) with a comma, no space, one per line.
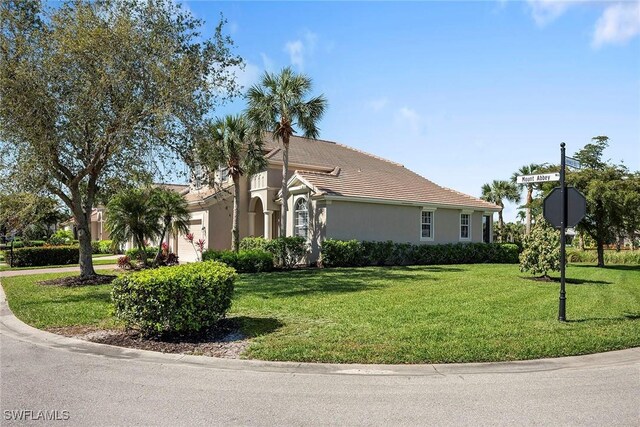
(84,239)
(285,178)
(600,246)
(582,241)
(528,210)
(501,225)
(235,232)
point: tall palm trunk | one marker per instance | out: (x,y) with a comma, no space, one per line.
(501,224)
(164,232)
(528,210)
(285,178)
(235,232)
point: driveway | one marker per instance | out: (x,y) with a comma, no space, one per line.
(84,383)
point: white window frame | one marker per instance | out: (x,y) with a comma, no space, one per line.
(470,215)
(296,226)
(433,230)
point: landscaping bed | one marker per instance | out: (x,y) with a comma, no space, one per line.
(422,314)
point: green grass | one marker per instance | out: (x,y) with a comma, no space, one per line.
(54,306)
(459,313)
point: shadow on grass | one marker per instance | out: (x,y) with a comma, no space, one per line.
(568,280)
(622,267)
(252,327)
(625,316)
(327,281)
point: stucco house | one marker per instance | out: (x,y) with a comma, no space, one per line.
(337,192)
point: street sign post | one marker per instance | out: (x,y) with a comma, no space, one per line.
(564,207)
(573,163)
(534,179)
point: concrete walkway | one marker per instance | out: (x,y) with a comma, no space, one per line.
(93,384)
(11,273)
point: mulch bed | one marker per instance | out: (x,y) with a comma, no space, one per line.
(226,341)
(75,281)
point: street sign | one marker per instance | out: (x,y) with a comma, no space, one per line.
(534,179)
(576,207)
(571,162)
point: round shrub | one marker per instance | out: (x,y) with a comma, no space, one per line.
(184,299)
(249,261)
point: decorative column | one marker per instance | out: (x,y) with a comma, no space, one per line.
(267,224)
(252,224)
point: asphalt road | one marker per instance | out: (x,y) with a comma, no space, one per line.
(89,384)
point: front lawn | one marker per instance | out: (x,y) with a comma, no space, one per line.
(458,313)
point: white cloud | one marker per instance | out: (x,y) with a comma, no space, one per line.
(267,62)
(301,49)
(295,51)
(618,23)
(410,119)
(247,76)
(547,11)
(377,104)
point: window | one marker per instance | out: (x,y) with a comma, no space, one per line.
(197,176)
(301,218)
(426,226)
(465,226)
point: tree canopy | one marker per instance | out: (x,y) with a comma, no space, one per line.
(92,94)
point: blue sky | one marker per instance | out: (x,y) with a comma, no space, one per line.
(460,92)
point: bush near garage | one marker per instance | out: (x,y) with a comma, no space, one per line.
(135,253)
(244,261)
(184,299)
(36,257)
(353,253)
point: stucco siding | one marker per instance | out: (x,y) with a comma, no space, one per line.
(379,222)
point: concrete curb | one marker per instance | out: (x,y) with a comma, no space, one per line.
(12,327)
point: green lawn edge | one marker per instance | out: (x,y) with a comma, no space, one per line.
(426,314)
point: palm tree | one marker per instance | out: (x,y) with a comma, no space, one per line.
(174,215)
(277,105)
(529,169)
(235,145)
(497,192)
(131,216)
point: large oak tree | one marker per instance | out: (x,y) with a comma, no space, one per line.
(94,94)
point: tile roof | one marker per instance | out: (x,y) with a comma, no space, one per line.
(338,170)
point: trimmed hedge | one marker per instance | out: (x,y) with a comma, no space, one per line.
(287,251)
(610,257)
(103,247)
(245,261)
(184,299)
(134,253)
(353,253)
(253,244)
(35,257)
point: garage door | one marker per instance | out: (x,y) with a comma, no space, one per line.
(186,253)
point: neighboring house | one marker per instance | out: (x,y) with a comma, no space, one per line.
(96,221)
(335,192)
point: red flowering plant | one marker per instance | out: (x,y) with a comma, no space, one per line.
(197,246)
(165,249)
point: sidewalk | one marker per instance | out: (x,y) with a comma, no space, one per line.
(71,269)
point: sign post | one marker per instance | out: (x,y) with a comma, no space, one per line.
(562,315)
